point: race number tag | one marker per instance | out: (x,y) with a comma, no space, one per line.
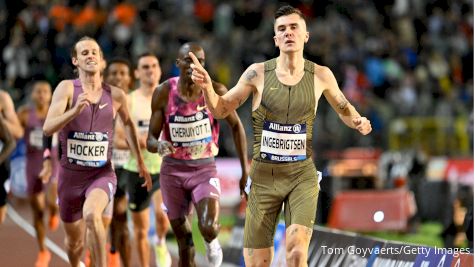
(120,157)
(87,148)
(283,142)
(36,138)
(194,130)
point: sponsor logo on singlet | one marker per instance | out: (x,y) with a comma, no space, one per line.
(87,148)
(35,138)
(187,131)
(283,142)
(143,126)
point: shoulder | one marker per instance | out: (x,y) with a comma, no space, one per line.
(323,73)
(23,109)
(257,67)
(4,96)
(253,71)
(64,87)
(160,95)
(117,93)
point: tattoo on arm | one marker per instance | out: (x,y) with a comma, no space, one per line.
(251,75)
(294,231)
(342,102)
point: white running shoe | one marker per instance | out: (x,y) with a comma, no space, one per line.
(214,253)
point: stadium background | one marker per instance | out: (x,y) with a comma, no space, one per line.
(405,64)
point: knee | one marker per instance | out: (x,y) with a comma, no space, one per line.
(141,233)
(209,229)
(93,219)
(73,245)
(185,241)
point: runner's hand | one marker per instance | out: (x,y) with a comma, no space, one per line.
(143,172)
(363,125)
(165,148)
(46,171)
(82,102)
(199,75)
(242,186)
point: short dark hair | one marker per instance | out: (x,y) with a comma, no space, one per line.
(74,53)
(287,10)
(119,60)
(145,54)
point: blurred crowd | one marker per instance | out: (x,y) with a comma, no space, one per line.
(391,58)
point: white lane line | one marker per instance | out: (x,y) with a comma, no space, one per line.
(30,230)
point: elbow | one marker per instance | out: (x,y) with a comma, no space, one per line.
(47,131)
(19,133)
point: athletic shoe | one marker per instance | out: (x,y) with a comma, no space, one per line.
(214,253)
(113,259)
(162,256)
(43,259)
(53,222)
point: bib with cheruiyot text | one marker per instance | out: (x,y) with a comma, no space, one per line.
(35,138)
(283,142)
(194,130)
(87,148)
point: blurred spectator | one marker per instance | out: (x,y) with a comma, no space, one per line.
(392,58)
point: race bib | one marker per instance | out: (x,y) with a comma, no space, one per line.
(120,156)
(283,142)
(186,131)
(87,148)
(35,139)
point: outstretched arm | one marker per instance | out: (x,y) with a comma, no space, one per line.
(339,103)
(239,136)
(131,134)
(221,106)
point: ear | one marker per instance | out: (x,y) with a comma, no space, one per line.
(275,41)
(136,74)
(75,61)
(307,36)
(177,61)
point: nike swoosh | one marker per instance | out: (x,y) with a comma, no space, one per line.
(103,106)
(200,108)
(273,88)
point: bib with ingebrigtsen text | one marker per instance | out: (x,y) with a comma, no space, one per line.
(283,142)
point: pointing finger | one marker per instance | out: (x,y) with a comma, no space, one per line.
(196,62)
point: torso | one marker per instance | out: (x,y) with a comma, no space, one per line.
(283,118)
(189,126)
(86,141)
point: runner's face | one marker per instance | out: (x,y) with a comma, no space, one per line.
(184,61)
(118,74)
(41,94)
(88,56)
(148,71)
(290,33)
